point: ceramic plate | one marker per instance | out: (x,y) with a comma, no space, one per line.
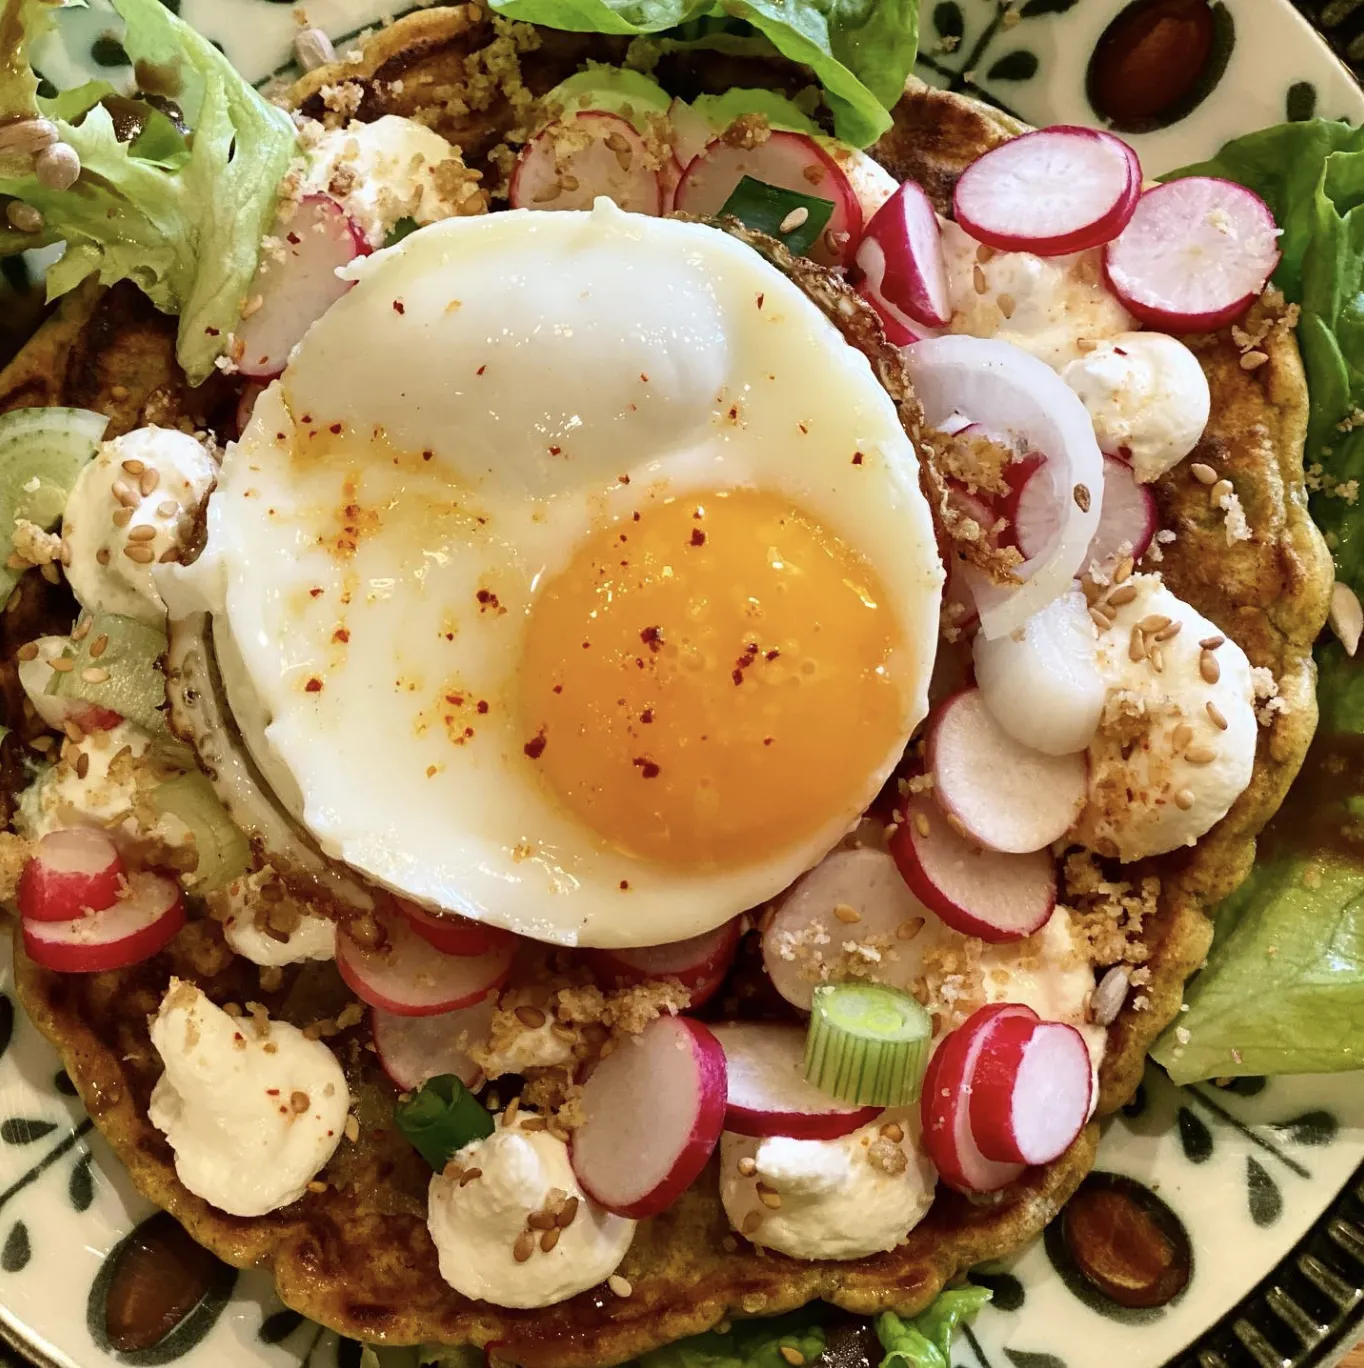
(1222,1227)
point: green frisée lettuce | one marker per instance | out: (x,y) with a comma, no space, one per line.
(861,51)
(925,1340)
(181,217)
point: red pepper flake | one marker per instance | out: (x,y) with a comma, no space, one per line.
(314,593)
(558,688)
(314,685)
(555,451)
(487,599)
(623,479)
(636,517)
(624,884)
(307,418)
(341,634)
(535,747)
(646,767)
(644,377)
(802,427)
(734,413)
(480,370)
(761,297)
(482,705)
(457,700)
(652,637)
(292,239)
(647,716)
(698,538)
(427,454)
(399,307)
(587,645)
(857,458)
(768,740)
(335,429)
(212,332)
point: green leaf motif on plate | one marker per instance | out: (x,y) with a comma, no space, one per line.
(17,1251)
(948,20)
(81,1187)
(279,1326)
(1301,103)
(21,1130)
(1022,1358)
(1194,1137)
(1035,7)
(1311,1128)
(1263,1195)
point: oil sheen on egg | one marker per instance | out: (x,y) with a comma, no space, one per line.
(576,575)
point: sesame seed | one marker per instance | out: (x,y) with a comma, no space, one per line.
(794,219)
(909,928)
(140,553)
(1181,736)
(1102,622)
(524,1246)
(748,1166)
(1215,713)
(1200,755)
(1169,633)
(921,823)
(1154,623)
(792,1355)
(893,1131)
(62,664)
(1184,799)
(98,646)
(1081,496)
(1157,658)
(549,1239)
(566,1213)
(620,1286)
(94,674)
(1136,645)
(151,477)
(28,651)
(1123,595)
(122,517)
(82,765)
(352,1129)
(978,278)
(1006,305)
(1212,643)
(299,1101)
(532,1017)
(1253,360)
(102,556)
(134,467)
(1203,473)
(470,1176)
(82,629)
(1209,668)
(847,914)
(143,532)
(1221,490)
(167,508)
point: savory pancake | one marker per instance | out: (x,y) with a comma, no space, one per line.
(356,1256)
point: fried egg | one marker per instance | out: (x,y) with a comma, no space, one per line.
(575,577)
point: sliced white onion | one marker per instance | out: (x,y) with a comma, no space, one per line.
(1007,390)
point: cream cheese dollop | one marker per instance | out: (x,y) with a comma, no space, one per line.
(252,1112)
(130,508)
(263,924)
(847,1198)
(478,1213)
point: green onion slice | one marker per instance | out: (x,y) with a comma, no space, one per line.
(117,665)
(867,1044)
(765,208)
(223,851)
(441,1118)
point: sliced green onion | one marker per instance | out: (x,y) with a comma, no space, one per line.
(223,851)
(117,665)
(765,208)
(441,1118)
(867,1044)
(42,451)
(404,227)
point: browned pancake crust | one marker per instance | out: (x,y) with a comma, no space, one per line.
(357,1256)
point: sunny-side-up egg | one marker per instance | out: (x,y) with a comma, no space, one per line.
(575,576)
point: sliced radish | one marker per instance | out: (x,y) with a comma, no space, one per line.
(689,131)
(452,934)
(74,871)
(901,260)
(1042,683)
(1195,256)
(413,1049)
(1030,1092)
(1015,394)
(698,962)
(570,163)
(851,898)
(981,893)
(1057,190)
(946,1104)
(58,709)
(1127,519)
(131,930)
(896,333)
(768,1094)
(1006,796)
(410,977)
(653,1111)
(295,291)
(790,161)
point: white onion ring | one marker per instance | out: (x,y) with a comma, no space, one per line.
(1007,390)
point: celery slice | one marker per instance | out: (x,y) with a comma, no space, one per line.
(867,1044)
(224,853)
(117,665)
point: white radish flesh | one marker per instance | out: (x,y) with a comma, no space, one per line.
(452,934)
(1195,256)
(289,295)
(1013,393)
(410,977)
(569,164)
(790,161)
(1127,520)
(1051,192)
(901,260)
(1042,683)
(73,871)
(768,1093)
(945,1105)
(1006,796)
(981,893)
(127,932)
(851,899)
(1030,1092)
(653,1111)
(413,1049)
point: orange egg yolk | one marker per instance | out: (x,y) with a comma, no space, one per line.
(711,680)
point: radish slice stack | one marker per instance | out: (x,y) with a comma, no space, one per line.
(699,963)
(74,871)
(1058,190)
(653,1111)
(568,164)
(1195,256)
(901,260)
(1127,520)
(413,1049)
(451,934)
(126,932)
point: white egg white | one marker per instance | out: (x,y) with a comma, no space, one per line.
(493,379)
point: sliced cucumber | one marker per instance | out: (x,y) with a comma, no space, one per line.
(42,450)
(117,665)
(223,851)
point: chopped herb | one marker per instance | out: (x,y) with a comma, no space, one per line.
(440,1118)
(403,228)
(768,208)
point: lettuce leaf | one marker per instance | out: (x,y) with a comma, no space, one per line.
(925,1341)
(747,1344)
(181,218)
(860,50)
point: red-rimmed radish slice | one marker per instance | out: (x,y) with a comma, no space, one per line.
(570,163)
(295,291)
(452,934)
(410,977)
(1013,393)
(850,898)
(74,871)
(1127,520)
(1030,1092)
(768,1093)
(790,161)
(945,1104)
(1195,256)
(901,260)
(698,961)
(1042,683)
(1057,190)
(981,893)
(413,1049)
(896,333)
(653,1111)
(127,932)
(1007,796)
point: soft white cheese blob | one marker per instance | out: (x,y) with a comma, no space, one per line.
(252,1117)
(108,512)
(246,929)
(476,1223)
(847,1198)
(1163,767)
(1148,398)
